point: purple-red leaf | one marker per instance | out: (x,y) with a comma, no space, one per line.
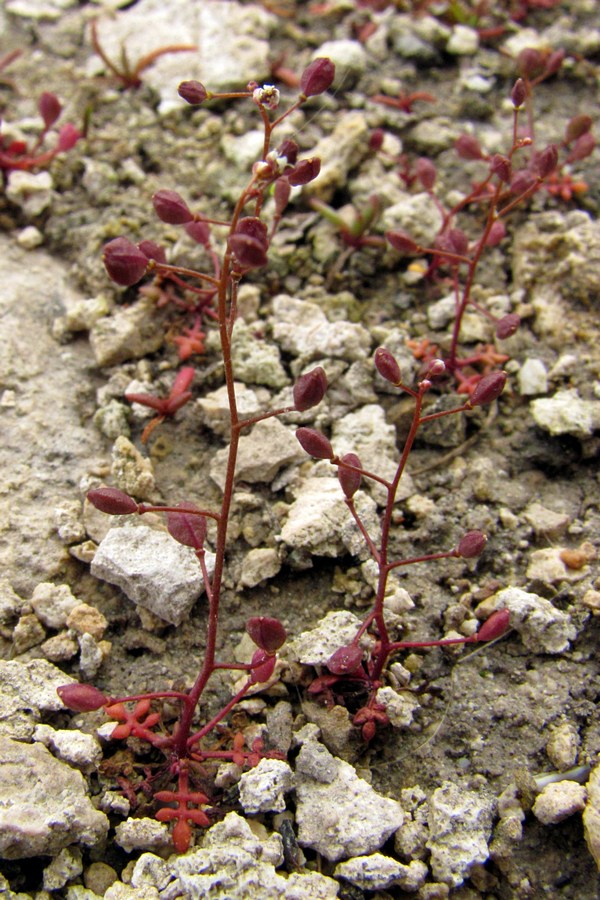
(345,661)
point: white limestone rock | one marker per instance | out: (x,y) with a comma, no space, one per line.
(153,570)
(303,329)
(542,627)
(35,821)
(263,788)
(339,814)
(26,691)
(377,872)
(567,413)
(314,647)
(319,521)
(254,463)
(52,604)
(74,747)
(460,826)
(558,801)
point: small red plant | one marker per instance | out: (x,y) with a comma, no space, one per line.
(128,75)
(17,154)
(246,246)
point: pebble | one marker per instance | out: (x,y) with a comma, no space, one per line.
(460,826)
(416,214)
(377,872)
(264,787)
(253,464)
(31,191)
(546,522)
(558,801)
(86,619)
(532,378)
(63,868)
(302,329)
(567,413)
(591,815)
(463,41)
(132,332)
(153,570)
(260,564)
(74,747)
(339,152)
(131,471)
(35,821)
(328,794)
(542,627)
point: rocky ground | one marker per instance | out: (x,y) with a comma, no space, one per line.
(487,785)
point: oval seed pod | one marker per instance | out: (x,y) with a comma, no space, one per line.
(348,478)
(310,389)
(488,389)
(112,501)
(266,632)
(518,93)
(193,92)
(49,108)
(468,147)
(81,697)
(304,171)
(507,326)
(187,527)
(495,626)
(471,544)
(124,262)
(317,77)
(387,365)
(171,208)
(315,443)
(401,241)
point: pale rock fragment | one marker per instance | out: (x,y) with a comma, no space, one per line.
(74,747)
(35,821)
(254,465)
(28,689)
(377,872)
(546,522)
(547,565)
(563,746)
(400,708)
(329,792)
(558,801)
(256,360)
(303,329)
(154,571)
(417,214)
(27,633)
(591,815)
(339,153)
(86,619)
(131,471)
(460,825)
(235,862)
(463,41)
(63,868)
(259,564)
(567,413)
(31,191)
(319,521)
(349,58)
(532,378)
(542,627)
(314,647)
(215,407)
(142,834)
(132,332)
(367,433)
(263,788)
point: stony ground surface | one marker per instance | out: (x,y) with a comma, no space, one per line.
(447,802)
